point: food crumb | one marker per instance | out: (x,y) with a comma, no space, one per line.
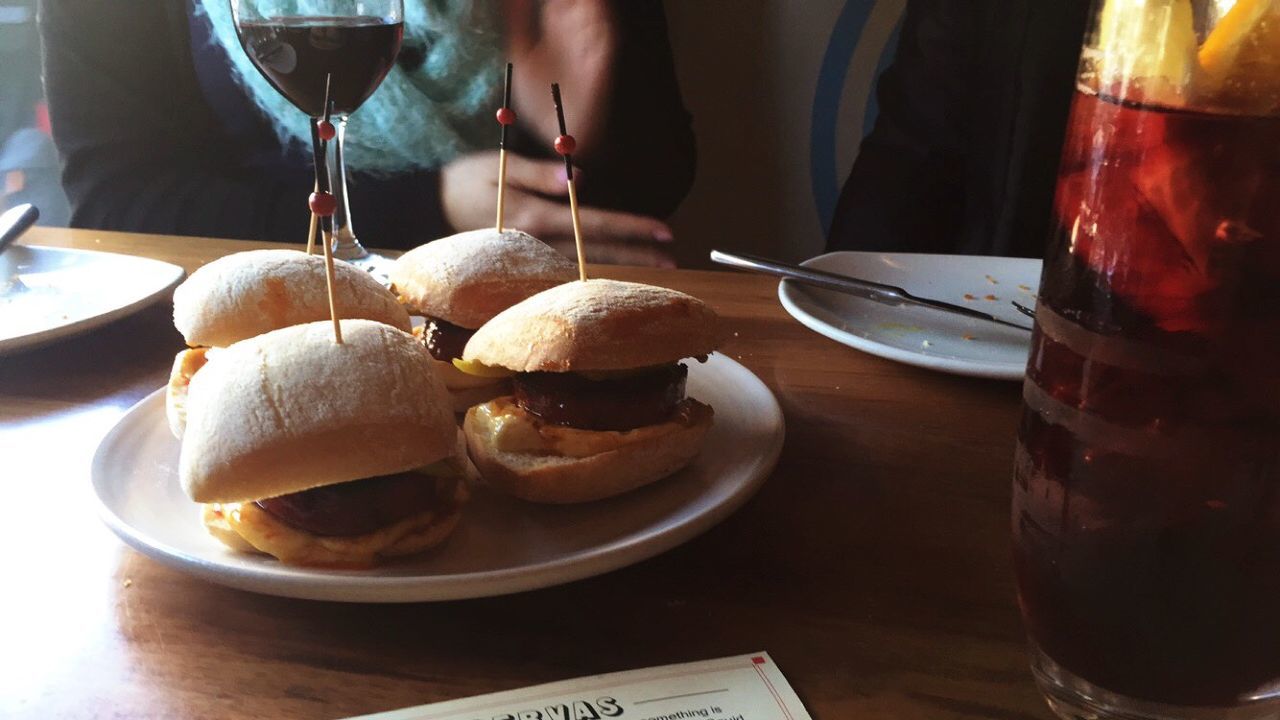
(992,280)
(990,297)
(735,334)
(1024,288)
(967,296)
(925,343)
(128,582)
(967,337)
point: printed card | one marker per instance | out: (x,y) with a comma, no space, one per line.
(747,687)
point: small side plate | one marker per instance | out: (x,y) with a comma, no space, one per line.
(47,294)
(921,336)
(502,545)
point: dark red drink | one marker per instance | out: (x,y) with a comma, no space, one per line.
(295,54)
(1146,510)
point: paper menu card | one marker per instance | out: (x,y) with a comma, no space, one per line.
(746,687)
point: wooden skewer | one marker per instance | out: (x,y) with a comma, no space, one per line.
(311,231)
(506,116)
(565,145)
(502,183)
(577,230)
(329,283)
(322,203)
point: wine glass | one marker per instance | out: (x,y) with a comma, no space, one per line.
(296,45)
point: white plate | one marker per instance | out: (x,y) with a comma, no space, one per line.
(501,546)
(52,293)
(920,336)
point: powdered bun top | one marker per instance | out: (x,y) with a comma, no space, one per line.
(249,293)
(466,279)
(597,325)
(291,410)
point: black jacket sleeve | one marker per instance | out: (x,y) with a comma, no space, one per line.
(964,153)
(905,191)
(142,151)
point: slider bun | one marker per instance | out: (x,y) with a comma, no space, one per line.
(561,480)
(292,410)
(249,293)
(597,325)
(466,279)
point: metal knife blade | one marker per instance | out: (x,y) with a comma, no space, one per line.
(877,292)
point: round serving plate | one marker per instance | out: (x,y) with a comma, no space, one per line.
(502,545)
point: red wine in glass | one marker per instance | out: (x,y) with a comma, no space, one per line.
(295,54)
(297,47)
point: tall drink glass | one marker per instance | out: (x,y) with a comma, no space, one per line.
(1146,498)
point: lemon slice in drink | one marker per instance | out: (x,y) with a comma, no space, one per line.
(1240,60)
(1150,43)
(1220,49)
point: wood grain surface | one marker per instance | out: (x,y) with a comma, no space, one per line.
(874,565)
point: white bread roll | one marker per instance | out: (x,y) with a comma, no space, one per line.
(248,293)
(596,325)
(466,279)
(633,459)
(291,410)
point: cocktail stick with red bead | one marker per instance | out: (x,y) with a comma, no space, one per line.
(323,204)
(565,145)
(506,116)
(326,132)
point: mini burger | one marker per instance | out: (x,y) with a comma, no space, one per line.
(249,293)
(321,453)
(458,283)
(599,404)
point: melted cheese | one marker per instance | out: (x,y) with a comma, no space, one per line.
(185,365)
(512,429)
(269,535)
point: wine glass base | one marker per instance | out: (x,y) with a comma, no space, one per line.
(379,266)
(347,247)
(1071,697)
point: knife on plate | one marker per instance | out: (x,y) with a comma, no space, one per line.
(874,291)
(15,221)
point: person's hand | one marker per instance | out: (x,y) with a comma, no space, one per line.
(537,202)
(572,42)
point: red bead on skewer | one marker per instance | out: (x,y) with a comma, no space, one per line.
(565,144)
(506,116)
(326,130)
(322,203)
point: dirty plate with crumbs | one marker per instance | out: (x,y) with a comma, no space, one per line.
(922,336)
(47,293)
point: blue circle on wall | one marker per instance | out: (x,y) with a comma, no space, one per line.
(833,73)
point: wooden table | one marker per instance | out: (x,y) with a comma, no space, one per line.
(874,565)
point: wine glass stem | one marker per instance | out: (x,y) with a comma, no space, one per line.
(345,244)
